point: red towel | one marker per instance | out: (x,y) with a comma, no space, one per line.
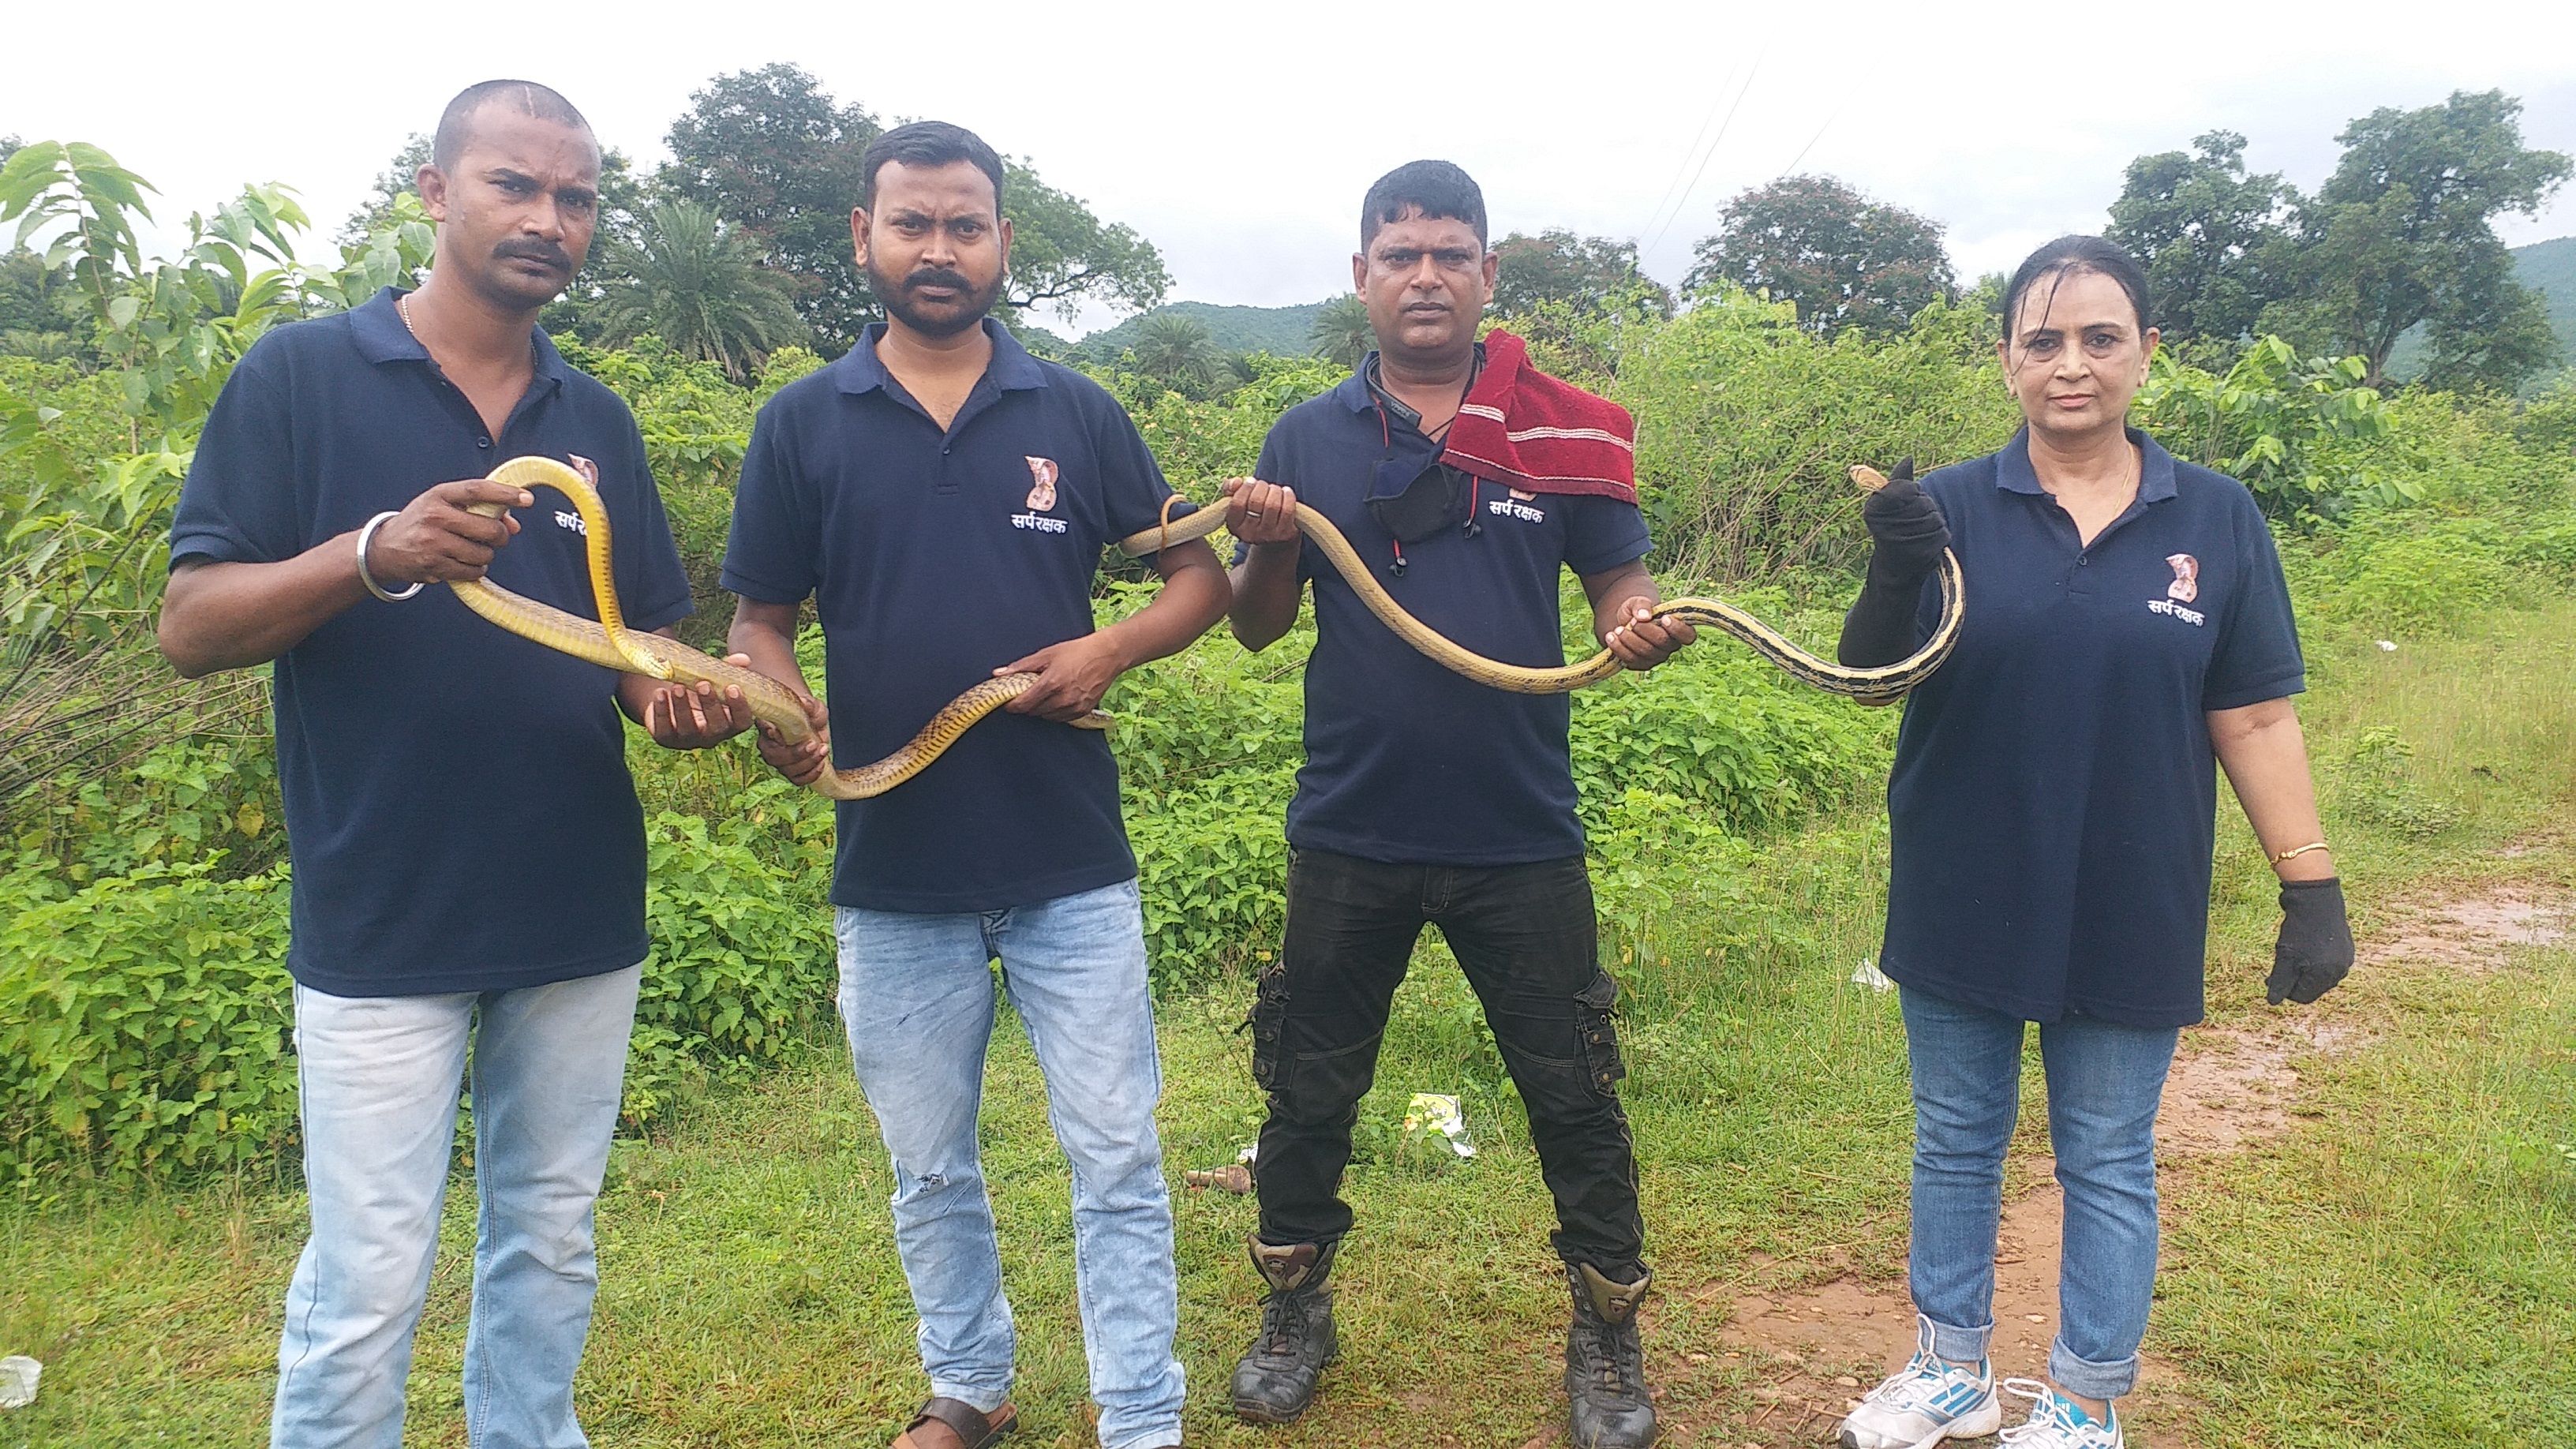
(1526,430)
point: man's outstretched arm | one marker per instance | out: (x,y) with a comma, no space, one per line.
(1267,592)
(1623,603)
(1073,675)
(232,615)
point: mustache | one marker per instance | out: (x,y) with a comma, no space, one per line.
(535,251)
(938,277)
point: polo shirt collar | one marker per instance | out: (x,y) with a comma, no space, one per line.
(1353,392)
(381,336)
(1011,368)
(2014,473)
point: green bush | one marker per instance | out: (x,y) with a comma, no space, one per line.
(743,964)
(145,1016)
(1747,423)
(2274,423)
(145,1022)
(2409,575)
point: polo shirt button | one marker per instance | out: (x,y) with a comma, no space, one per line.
(482,442)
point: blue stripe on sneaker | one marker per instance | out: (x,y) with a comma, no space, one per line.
(1957,1399)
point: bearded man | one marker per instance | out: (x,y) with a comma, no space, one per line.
(332,482)
(944,499)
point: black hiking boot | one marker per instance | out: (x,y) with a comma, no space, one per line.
(1276,1379)
(1605,1366)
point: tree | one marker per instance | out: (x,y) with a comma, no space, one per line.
(2400,235)
(1591,276)
(1063,256)
(39,309)
(1176,350)
(1342,332)
(692,280)
(2212,239)
(772,151)
(1845,260)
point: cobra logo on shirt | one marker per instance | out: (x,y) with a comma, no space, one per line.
(2183,590)
(1043,474)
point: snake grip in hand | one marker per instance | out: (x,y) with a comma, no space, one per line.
(1883,684)
(607,642)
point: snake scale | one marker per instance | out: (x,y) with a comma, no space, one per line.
(608,642)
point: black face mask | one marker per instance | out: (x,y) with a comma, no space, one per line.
(1437,498)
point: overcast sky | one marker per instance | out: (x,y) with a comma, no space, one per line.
(1240,138)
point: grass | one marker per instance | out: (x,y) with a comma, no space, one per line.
(2397,1269)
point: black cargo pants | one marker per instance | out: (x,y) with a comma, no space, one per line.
(1526,938)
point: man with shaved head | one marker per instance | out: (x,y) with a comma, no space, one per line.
(468,851)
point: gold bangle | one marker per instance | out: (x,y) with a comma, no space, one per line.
(2298,850)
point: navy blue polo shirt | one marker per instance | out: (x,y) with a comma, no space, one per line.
(1408,761)
(935,557)
(2055,796)
(457,804)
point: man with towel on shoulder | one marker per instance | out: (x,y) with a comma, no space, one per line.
(1469,480)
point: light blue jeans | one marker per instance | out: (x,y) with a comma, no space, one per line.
(917,996)
(379,1077)
(2104,1083)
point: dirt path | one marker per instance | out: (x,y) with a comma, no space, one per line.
(1813,1351)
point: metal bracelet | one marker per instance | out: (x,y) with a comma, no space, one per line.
(2298,850)
(366,536)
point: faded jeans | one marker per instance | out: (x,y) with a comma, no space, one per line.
(917,996)
(378,1077)
(2104,1083)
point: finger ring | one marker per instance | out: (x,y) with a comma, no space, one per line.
(1249,514)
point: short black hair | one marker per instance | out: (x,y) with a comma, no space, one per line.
(927,144)
(1434,188)
(2069,255)
(545,103)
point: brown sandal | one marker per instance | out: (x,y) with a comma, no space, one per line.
(955,1424)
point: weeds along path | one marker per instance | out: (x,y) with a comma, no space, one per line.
(2234,1088)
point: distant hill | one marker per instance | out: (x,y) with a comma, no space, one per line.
(1280,330)
(2548,268)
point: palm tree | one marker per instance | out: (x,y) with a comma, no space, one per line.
(689,278)
(1175,348)
(1341,331)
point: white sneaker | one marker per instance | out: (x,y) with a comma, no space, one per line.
(1927,1401)
(2057,1422)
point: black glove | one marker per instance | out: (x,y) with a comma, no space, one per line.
(1907,527)
(1909,533)
(2315,949)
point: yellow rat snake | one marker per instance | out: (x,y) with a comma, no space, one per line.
(610,643)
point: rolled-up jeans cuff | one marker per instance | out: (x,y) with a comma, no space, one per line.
(981,1400)
(1960,1345)
(2091,1380)
(1151,1439)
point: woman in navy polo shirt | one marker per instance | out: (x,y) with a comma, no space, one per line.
(2052,811)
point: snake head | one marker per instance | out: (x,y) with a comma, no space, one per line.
(589,470)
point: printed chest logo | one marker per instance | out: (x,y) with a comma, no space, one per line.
(1043,473)
(2184,589)
(571,521)
(1520,505)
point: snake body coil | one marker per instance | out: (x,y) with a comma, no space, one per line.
(609,643)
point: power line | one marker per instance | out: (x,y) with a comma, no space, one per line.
(1717,98)
(1811,141)
(1678,207)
